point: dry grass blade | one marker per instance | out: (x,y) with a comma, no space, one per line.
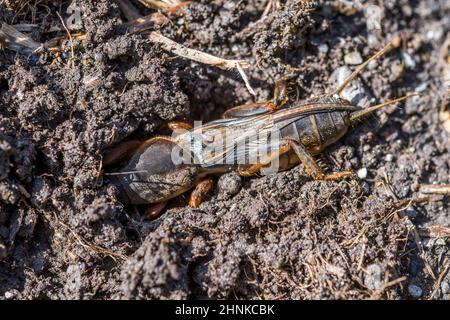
(88,245)
(444,117)
(16,40)
(443,189)
(271,4)
(16,5)
(435,232)
(70,37)
(377,294)
(25,27)
(166,5)
(144,23)
(139,24)
(437,285)
(201,57)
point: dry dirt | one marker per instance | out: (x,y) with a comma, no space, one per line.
(65,234)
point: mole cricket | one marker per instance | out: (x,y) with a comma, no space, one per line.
(249,139)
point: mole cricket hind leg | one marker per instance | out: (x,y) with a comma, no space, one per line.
(271,163)
(121,152)
(200,192)
(155,210)
(311,167)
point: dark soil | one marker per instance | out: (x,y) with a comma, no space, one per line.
(65,234)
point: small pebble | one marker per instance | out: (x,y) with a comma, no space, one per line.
(353,58)
(362,173)
(19,94)
(355,92)
(445,287)
(229,183)
(372,41)
(366,148)
(389,157)
(9,295)
(415,291)
(409,61)
(373,17)
(435,34)
(99,57)
(407,10)
(235,48)
(323,48)
(372,65)
(374,277)
(411,212)
(421,87)
(440,242)
(3,251)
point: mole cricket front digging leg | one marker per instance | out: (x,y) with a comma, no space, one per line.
(200,191)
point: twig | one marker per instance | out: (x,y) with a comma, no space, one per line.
(361,258)
(244,77)
(195,55)
(139,23)
(435,232)
(380,291)
(86,244)
(162,4)
(444,115)
(25,27)
(275,4)
(201,57)
(72,60)
(435,189)
(439,280)
(144,23)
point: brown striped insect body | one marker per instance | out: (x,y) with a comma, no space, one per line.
(321,128)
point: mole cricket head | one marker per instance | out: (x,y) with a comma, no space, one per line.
(154,173)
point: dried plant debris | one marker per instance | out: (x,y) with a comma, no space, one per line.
(167,5)
(15,40)
(202,57)
(133,65)
(435,232)
(444,116)
(17,5)
(435,189)
(138,24)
